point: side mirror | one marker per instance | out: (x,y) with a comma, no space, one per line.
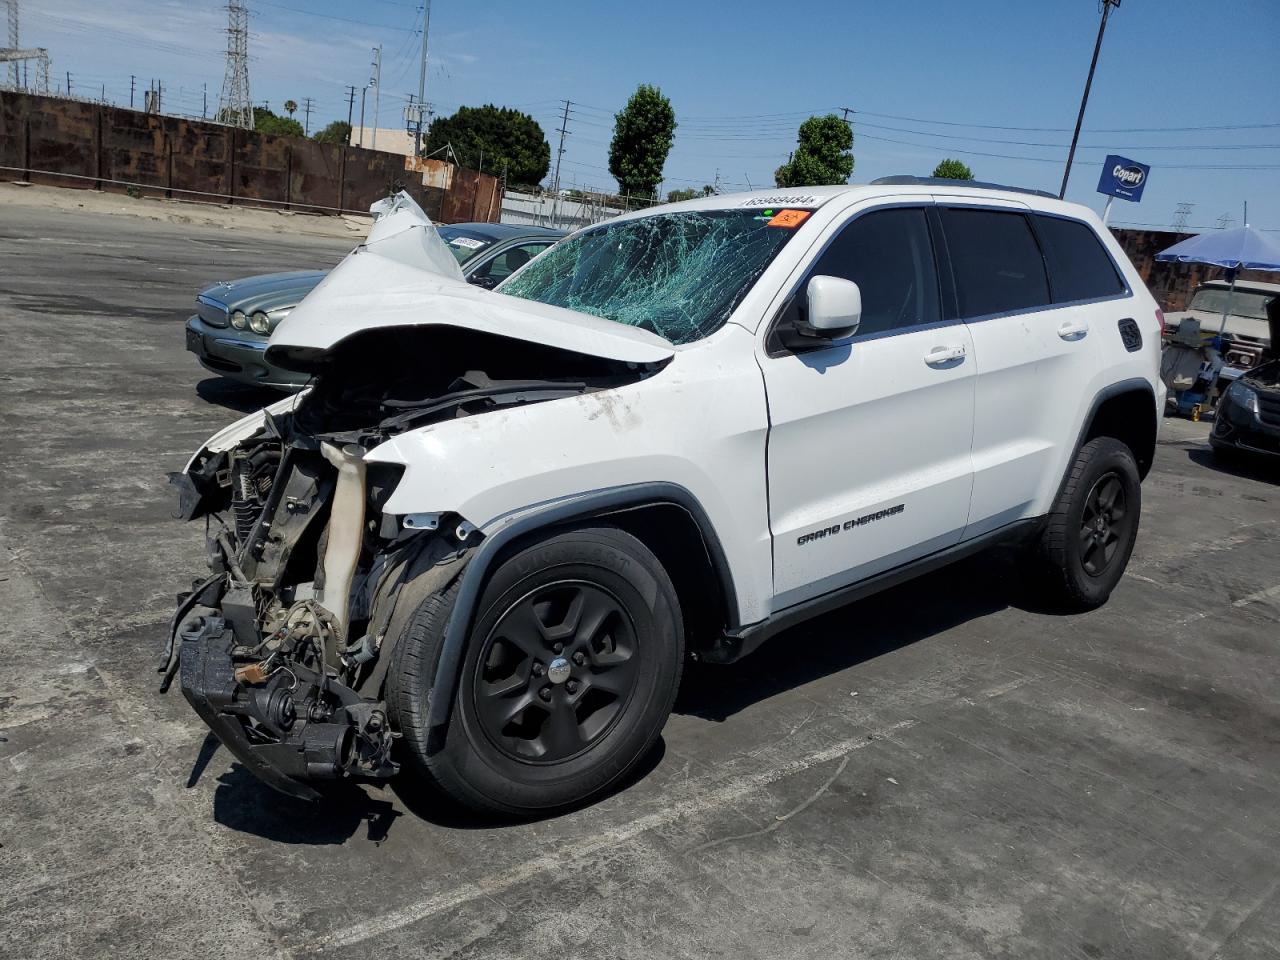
(483,280)
(835,307)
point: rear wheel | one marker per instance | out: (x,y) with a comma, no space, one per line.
(569,675)
(1092,528)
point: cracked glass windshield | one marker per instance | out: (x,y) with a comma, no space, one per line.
(676,274)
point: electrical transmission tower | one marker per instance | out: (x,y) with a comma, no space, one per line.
(16,57)
(1180,213)
(234,106)
(14,79)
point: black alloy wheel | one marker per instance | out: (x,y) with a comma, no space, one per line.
(1104,524)
(1091,529)
(555,671)
(572,664)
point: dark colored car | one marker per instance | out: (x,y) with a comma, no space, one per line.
(234,318)
(1248,415)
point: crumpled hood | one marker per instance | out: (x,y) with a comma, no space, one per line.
(397,278)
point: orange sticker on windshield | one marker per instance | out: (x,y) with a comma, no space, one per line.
(788,218)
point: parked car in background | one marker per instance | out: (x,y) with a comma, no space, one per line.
(1247,419)
(1245,337)
(234,318)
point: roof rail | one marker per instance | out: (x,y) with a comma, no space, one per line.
(904,180)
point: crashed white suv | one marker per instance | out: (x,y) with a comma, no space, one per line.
(484,541)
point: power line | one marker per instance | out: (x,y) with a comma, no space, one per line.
(329,16)
(989,126)
(1006,156)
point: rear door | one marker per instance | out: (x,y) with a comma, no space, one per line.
(1035,342)
(869,460)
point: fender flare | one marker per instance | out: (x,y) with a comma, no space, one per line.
(1129,385)
(444,684)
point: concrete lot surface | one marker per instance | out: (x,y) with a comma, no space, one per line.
(941,771)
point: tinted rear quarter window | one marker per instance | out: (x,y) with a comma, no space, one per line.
(1079,266)
(996,261)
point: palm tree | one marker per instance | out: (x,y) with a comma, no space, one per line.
(290,106)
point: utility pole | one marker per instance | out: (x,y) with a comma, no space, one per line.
(132,82)
(422,79)
(564,131)
(1084,101)
(68,84)
(363,93)
(375,81)
(351,103)
(846,111)
(307,104)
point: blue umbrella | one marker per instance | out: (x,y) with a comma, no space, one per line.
(1243,248)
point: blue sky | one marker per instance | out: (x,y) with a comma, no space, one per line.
(1005,77)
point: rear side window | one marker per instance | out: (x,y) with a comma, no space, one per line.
(1079,266)
(996,261)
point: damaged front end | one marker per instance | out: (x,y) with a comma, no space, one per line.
(284,650)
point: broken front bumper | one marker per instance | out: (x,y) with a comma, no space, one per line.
(288,727)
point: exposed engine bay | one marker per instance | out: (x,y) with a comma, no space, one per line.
(283,650)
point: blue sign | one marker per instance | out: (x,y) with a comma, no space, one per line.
(1123,178)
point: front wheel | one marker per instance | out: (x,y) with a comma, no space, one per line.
(570,672)
(1093,526)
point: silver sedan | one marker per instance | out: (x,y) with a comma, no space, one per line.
(233,318)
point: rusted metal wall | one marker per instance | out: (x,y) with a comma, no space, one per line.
(1173,283)
(70,143)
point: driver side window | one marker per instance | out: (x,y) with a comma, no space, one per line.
(888,254)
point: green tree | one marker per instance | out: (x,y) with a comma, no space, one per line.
(264,121)
(952,170)
(290,107)
(501,138)
(675,196)
(823,155)
(642,137)
(337,132)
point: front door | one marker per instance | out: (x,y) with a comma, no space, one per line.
(869,450)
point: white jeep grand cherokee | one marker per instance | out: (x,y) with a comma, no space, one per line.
(484,541)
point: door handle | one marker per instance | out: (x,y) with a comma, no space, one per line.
(941,356)
(1073,329)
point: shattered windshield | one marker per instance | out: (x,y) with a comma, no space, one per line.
(1244,303)
(676,274)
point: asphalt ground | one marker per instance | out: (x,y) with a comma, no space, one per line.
(941,771)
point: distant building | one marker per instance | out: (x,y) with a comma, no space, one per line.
(389,139)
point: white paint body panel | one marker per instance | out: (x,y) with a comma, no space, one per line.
(700,423)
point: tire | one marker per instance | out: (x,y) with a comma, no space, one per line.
(580,718)
(1091,530)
